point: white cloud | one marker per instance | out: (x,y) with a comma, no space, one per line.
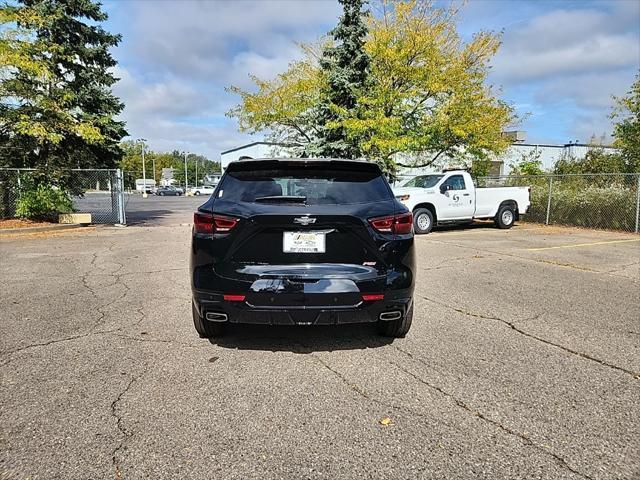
(568,42)
(175,115)
(569,63)
(206,40)
(589,90)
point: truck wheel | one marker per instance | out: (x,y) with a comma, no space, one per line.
(506,217)
(397,328)
(197,192)
(422,220)
(205,328)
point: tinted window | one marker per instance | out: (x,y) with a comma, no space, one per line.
(424,181)
(318,186)
(455,182)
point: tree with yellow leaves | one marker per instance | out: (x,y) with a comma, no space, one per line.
(426,97)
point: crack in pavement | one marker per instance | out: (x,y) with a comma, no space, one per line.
(119,423)
(363,393)
(118,281)
(92,332)
(354,387)
(635,375)
(446,263)
(8,353)
(476,413)
(154,340)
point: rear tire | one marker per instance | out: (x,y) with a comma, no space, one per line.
(422,220)
(197,192)
(397,328)
(205,328)
(506,217)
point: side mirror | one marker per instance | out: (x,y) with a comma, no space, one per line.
(444,188)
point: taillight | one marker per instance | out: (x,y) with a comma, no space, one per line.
(403,223)
(233,298)
(399,224)
(372,297)
(224,224)
(210,223)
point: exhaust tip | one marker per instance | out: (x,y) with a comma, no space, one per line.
(387,316)
(216,317)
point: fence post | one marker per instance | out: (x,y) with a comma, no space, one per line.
(546,222)
(119,187)
(637,201)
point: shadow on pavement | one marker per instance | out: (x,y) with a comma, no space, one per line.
(301,339)
(147,217)
(475,225)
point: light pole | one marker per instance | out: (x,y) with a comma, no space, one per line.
(185,173)
(144,172)
(196,173)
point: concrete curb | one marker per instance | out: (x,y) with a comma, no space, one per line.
(48,228)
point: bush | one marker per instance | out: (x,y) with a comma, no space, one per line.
(592,206)
(591,201)
(43,202)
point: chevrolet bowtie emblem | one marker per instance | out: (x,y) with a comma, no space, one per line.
(304,220)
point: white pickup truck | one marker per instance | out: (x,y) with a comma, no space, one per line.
(452,197)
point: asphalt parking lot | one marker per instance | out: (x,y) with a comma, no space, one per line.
(523,362)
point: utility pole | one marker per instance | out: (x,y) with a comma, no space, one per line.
(185,173)
(144,173)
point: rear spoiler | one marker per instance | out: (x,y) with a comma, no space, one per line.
(322,163)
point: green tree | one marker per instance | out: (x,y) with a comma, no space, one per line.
(345,66)
(204,167)
(131,164)
(595,161)
(528,164)
(627,129)
(56,106)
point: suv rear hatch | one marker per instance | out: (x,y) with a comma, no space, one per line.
(301,235)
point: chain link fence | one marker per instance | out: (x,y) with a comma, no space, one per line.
(98,192)
(600,201)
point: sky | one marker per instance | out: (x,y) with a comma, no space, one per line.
(559,65)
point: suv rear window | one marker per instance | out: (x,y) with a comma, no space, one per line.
(316,186)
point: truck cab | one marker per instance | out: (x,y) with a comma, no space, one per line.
(452,197)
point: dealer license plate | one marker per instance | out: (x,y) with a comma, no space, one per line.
(303,242)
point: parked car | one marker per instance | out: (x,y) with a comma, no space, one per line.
(203,190)
(452,197)
(302,242)
(168,190)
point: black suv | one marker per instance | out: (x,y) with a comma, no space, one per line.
(302,242)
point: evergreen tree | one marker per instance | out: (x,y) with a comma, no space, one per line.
(346,65)
(56,105)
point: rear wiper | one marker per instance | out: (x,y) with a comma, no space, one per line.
(282,198)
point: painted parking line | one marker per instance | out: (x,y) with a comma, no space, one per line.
(445,233)
(575,245)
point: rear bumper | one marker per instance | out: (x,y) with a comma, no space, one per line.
(244,312)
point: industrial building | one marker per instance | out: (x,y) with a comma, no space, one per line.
(548,154)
